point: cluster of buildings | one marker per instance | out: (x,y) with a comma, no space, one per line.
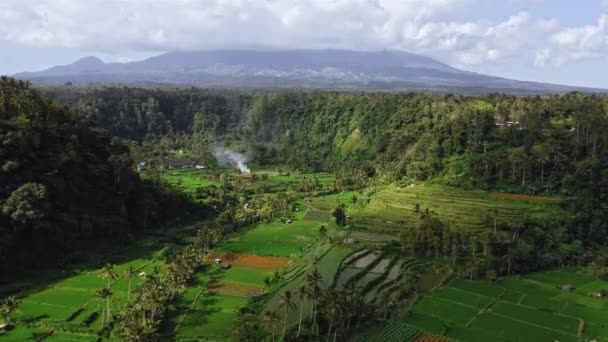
(173,164)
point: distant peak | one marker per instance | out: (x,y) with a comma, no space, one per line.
(89,61)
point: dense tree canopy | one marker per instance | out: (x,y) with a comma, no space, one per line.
(64,182)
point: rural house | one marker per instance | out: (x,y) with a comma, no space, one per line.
(177,164)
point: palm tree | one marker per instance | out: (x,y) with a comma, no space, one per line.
(385,300)
(486,239)
(509,258)
(286,301)
(597,269)
(105,294)
(109,273)
(472,265)
(332,311)
(323,231)
(302,295)
(7,307)
(130,274)
(314,280)
(271,319)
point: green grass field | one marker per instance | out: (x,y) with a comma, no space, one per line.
(530,308)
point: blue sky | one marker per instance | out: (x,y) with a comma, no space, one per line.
(557,41)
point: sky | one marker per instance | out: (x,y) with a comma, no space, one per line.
(556,41)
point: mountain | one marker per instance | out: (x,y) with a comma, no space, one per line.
(327,69)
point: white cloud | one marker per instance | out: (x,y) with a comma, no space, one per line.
(422,26)
(577,43)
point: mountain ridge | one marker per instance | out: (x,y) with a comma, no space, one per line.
(391,70)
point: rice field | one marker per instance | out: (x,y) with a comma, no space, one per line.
(393,206)
(531,308)
(70,308)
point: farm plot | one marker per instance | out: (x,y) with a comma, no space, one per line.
(263,262)
(186,180)
(208,308)
(529,308)
(390,207)
(446,311)
(234,289)
(518,330)
(70,306)
(463,297)
(426,337)
(274,239)
(397,331)
(537,317)
(317,215)
(521,197)
(327,265)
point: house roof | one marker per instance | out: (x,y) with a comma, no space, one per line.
(178,162)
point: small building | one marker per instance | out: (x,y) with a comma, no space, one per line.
(177,164)
(568,287)
(350,241)
(254,293)
(199,167)
(141,166)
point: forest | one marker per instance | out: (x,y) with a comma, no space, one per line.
(533,145)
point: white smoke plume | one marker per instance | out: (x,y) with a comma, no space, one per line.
(229,158)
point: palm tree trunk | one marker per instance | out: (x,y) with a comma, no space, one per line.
(509,269)
(329,331)
(103,316)
(300,321)
(284,323)
(542,172)
(108,305)
(129,289)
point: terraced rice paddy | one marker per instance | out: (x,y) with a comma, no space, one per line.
(327,265)
(397,331)
(390,208)
(318,215)
(374,271)
(531,308)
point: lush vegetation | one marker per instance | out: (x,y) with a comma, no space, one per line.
(366,216)
(66,184)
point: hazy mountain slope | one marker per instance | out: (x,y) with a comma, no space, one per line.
(383,70)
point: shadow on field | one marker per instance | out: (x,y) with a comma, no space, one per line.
(31,320)
(151,246)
